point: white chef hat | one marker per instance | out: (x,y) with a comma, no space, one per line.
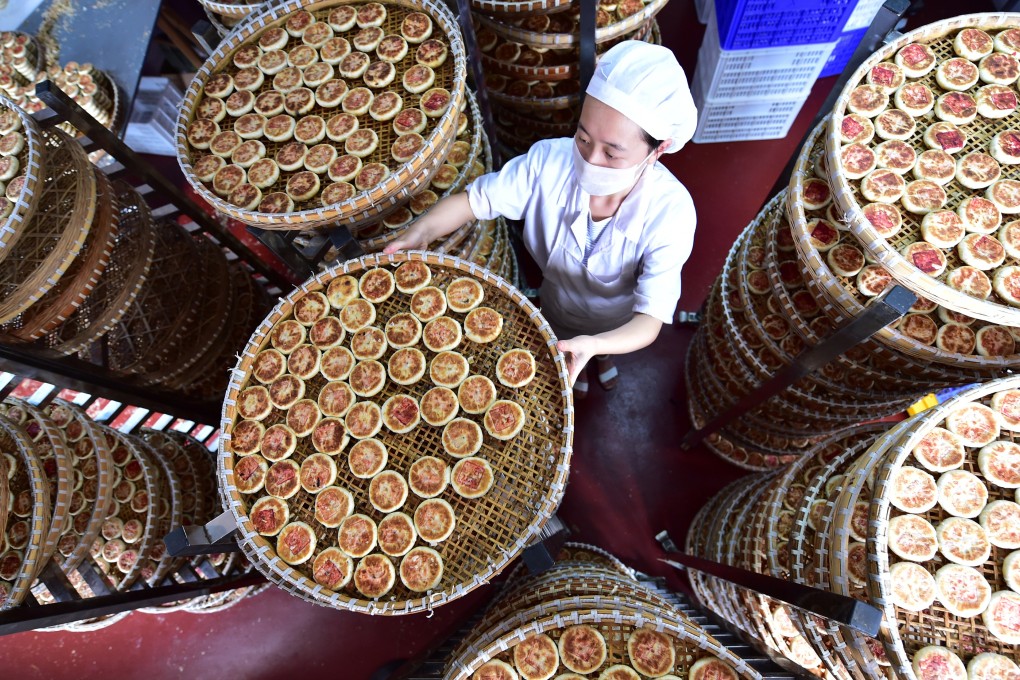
(646,83)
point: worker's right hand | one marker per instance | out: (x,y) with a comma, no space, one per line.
(412,239)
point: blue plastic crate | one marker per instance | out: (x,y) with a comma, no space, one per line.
(842,52)
(748,24)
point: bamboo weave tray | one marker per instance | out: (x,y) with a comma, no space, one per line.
(151,322)
(57,231)
(909,631)
(233,9)
(450,76)
(530,470)
(90,450)
(57,462)
(842,294)
(690,642)
(155,563)
(939,37)
(521,6)
(79,281)
(31,163)
(122,281)
(209,316)
(27,487)
(614,30)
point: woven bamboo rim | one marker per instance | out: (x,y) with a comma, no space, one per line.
(832,542)
(521,6)
(536,104)
(80,279)
(122,280)
(842,292)
(232,598)
(451,76)
(232,9)
(51,444)
(98,450)
(510,118)
(820,632)
(887,379)
(169,489)
(509,616)
(149,518)
(5,498)
(214,302)
(219,22)
(691,641)
(549,431)
(150,323)
(28,477)
(907,631)
(57,232)
(480,151)
(604,34)
(31,163)
(91,625)
(696,541)
(520,578)
(980,131)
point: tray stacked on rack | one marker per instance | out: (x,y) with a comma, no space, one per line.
(511,462)
(530,58)
(24,62)
(588,614)
(919,520)
(226,14)
(413,86)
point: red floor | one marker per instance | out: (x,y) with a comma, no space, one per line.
(630,479)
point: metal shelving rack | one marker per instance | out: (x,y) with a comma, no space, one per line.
(168,202)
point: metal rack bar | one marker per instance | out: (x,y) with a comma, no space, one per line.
(887,308)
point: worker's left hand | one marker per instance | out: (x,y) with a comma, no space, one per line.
(578,352)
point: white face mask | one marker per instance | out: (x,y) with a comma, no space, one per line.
(600,181)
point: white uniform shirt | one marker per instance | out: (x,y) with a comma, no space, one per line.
(634,267)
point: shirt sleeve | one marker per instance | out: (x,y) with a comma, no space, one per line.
(508,191)
(658,284)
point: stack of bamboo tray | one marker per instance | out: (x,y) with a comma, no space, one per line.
(370,178)
(588,614)
(814,258)
(24,63)
(83,264)
(920,520)
(82,492)
(529,54)
(308,491)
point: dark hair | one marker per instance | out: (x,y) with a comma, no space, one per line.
(652,142)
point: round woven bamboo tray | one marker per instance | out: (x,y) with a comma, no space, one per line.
(80,279)
(398,185)
(842,293)
(155,563)
(210,315)
(204,465)
(28,486)
(939,38)
(58,228)
(122,280)
(151,322)
(530,470)
(691,642)
(613,31)
(233,9)
(90,448)
(57,463)
(480,152)
(521,7)
(907,631)
(529,73)
(832,541)
(149,517)
(31,163)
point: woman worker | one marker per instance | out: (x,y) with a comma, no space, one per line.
(608,225)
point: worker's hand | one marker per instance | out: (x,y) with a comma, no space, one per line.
(578,352)
(415,238)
